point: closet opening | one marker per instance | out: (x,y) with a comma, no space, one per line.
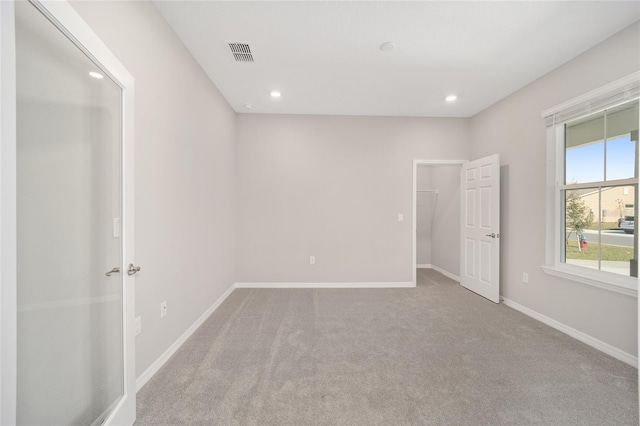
(436,216)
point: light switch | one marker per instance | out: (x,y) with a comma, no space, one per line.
(400,217)
(116,227)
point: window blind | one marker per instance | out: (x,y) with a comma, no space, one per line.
(618,92)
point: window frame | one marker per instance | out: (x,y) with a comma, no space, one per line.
(555,185)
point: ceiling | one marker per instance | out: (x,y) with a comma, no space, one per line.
(325,58)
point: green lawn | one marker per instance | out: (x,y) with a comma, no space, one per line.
(591,252)
(605,225)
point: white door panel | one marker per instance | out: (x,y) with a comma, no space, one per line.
(480,227)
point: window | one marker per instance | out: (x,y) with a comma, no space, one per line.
(592,173)
(599,162)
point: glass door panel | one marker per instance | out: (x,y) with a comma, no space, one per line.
(70,334)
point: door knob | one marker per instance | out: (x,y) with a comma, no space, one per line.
(133,269)
(492,235)
(113,271)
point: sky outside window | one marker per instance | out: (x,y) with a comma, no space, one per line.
(585,163)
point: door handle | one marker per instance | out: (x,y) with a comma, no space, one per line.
(115,270)
(133,269)
(492,235)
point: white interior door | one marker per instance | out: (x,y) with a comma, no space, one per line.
(480,227)
(74,202)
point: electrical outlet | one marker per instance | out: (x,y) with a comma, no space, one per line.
(138,325)
(400,217)
(163,309)
(312,260)
(525,277)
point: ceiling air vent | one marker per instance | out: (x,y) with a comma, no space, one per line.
(241,51)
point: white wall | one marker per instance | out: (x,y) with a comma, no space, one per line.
(185,164)
(513,128)
(332,187)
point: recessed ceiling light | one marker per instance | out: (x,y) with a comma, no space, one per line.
(451,98)
(387,46)
(96,75)
(275,94)
(248,106)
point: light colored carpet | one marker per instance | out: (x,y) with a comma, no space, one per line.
(437,355)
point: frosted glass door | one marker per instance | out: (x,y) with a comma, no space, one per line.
(69,206)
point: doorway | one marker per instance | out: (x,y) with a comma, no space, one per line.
(436,212)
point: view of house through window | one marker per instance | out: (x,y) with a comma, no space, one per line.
(601,190)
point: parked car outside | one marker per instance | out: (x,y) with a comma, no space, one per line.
(628,224)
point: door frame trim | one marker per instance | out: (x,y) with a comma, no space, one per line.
(8,249)
(61,14)
(414,196)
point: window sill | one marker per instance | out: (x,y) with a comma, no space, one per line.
(604,280)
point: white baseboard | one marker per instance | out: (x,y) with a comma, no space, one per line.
(423,266)
(576,334)
(445,273)
(158,363)
(327,285)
